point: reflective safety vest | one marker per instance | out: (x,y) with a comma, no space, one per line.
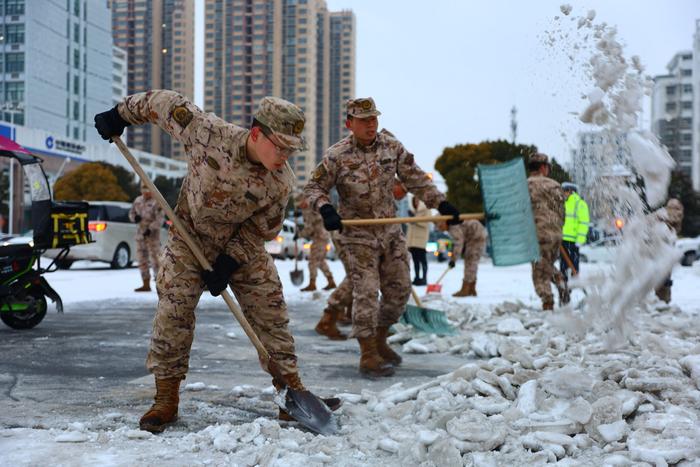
(576,221)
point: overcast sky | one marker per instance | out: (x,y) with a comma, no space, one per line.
(447,72)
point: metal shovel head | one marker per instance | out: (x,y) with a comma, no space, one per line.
(308,410)
(427,320)
(297,276)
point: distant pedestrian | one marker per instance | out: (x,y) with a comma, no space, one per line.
(576,224)
(149,217)
(416,239)
(672,215)
(314,230)
(469,241)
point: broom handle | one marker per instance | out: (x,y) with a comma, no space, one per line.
(409,220)
(197,252)
(443,275)
(415,297)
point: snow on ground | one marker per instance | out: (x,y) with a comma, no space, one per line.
(528,392)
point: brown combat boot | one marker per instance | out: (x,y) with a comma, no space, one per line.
(385,351)
(464,291)
(548,304)
(311,287)
(472,289)
(664,293)
(294,382)
(146,287)
(331,284)
(164,411)
(371,363)
(327,327)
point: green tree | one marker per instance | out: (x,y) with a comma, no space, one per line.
(457,165)
(559,173)
(125,179)
(89,182)
(681,188)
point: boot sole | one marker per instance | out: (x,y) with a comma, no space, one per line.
(156,428)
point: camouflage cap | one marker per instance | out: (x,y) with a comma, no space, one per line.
(285,119)
(539,157)
(362,107)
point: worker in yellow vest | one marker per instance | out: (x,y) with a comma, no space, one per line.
(576,223)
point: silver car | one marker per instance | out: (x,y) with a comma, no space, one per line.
(113,236)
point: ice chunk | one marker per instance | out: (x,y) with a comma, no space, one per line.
(691,364)
(613,431)
(510,326)
(527,397)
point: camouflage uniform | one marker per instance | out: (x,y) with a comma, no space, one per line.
(341,299)
(672,215)
(469,240)
(377,256)
(313,230)
(548,201)
(147,245)
(230,205)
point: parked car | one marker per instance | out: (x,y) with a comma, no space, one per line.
(113,237)
(603,250)
(282,246)
(439,246)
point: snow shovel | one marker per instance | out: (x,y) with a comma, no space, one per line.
(426,319)
(303,406)
(437,287)
(297,276)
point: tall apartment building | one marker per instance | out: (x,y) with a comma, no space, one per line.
(255,48)
(342,71)
(55,65)
(675,109)
(158,36)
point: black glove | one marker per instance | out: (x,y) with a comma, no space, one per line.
(217,280)
(137,219)
(110,123)
(446,209)
(147,232)
(295,237)
(331,218)
(451,264)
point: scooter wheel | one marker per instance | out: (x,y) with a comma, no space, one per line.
(24,313)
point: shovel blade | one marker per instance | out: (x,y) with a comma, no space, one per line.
(309,411)
(434,288)
(427,320)
(297,276)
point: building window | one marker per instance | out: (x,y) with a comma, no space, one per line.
(76,7)
(76,111)
(687,72)
(14,92)
(14,33)
(14,7)
(14,62)
(685,105)
(687,88)
(76,33)
(76,85)
(670,106)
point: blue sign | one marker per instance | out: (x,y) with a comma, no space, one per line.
(49,142)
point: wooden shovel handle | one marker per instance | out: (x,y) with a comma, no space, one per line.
(567,259)
(197,252)
(416,298)
(408,220)
(443,275)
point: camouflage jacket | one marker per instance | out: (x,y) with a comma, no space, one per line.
(230,203)
(465,233)
(548,200)
(672,215)
(313,226)
(364,177)
(151,215)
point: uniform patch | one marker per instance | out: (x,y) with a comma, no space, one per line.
(181,115)
(211,162)
(298,127)
(319,173)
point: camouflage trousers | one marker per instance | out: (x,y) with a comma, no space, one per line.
(257,288)
(317,260)
(147,253)
(341,298)
(383,267)
(472,255)
(545,273)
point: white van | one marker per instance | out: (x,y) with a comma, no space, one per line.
(113,236)
(282,246)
